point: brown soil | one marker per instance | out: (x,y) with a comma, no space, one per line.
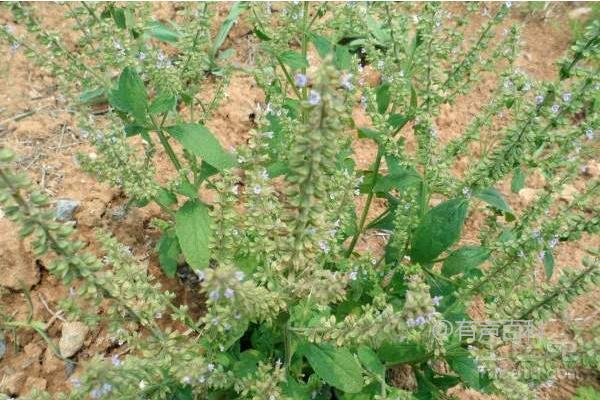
(47,140)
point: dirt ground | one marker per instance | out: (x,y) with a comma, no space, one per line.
(36,122)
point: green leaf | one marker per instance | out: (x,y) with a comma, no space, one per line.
(119,17)
(193,228)
(166,198)
(438,230)
(182,392)
(401,178)
(548,263)
(382,96)
(370,361)
(493,198)
(342,59)
(398,120)
(518,180)
(401,353)
(336,366)
(226,26)
(367,133)
(293,59)
(168,253)
(322,44)
(93,96)
(130,95)
(164,33)
(162,103)
(261,35)
(464,259)
(198,140)
(466,368)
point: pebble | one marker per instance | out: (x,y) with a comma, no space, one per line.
(72,337)
(65,209)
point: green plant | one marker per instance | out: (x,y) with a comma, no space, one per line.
(294,309)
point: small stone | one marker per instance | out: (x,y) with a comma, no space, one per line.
(528,195)
(18,268)
(65,209)
(72,337)
(579,12)
(33,351)
(51,363)
(568,193)
(592,169)
(13,383)
(34,382)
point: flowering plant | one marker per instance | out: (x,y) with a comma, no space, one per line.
(297,304)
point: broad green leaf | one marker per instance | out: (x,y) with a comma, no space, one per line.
(198,140)
(370,361)
(375,28)
(182,392)
(162,103)
(130,95)
(382,96)
(226,26)
(401,353)
(398,120)
(336,366)
(464,259)
(466,368)
(322,44)
(367,393)
(193,229)
(438,230)
(548,263)
(166,198)
(518,180)
(493,198)
(342,59)
(369,134)
(400,179)
(168,253)
(163,32)
(93,96)
(293,59)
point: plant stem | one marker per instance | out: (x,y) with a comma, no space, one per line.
(365,212)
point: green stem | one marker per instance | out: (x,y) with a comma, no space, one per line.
(365,212)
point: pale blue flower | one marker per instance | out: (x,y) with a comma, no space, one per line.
(314,98)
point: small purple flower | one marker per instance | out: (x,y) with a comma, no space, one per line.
(553,242)
(539,100)
(257,189)
(115,361)
(210,367)
(214,295)
(508,4)
(555,108)
(229,293)
(353,275)
(410,322)
(239,275)
(566,97)
(346,82)
(420,320)
(541,255)
(467,192)
(436,300)
(324,246)
(314,98)
(14,47)
(186,380)
(589,134)
(200,274)
(300,80)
